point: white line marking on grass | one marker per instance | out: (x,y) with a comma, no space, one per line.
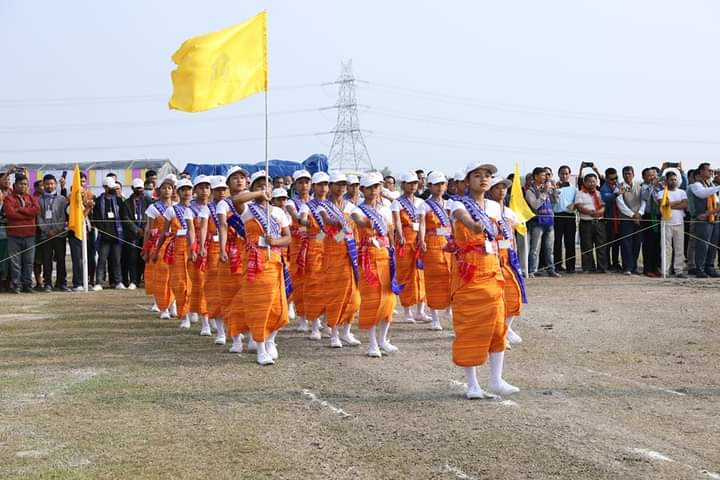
(314,398)
(639,384)
(653,455)
(458,473)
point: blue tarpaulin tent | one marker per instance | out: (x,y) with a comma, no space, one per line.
(314,163)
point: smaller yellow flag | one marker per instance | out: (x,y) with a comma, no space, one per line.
(76,222)
(518,203)
(665,210)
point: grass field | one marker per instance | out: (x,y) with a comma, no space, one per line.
(619,379)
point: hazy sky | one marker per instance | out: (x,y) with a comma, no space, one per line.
(542,83)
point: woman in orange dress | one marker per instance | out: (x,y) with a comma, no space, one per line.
(214,277)
(514,292)
(199,270)
(477,285)
(410,265)
(300,243)
(179,231)
(435,233)
(157,274)
(378,283)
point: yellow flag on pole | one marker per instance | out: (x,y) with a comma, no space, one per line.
(221,67)
(665,210)
(76,222)
(518,203)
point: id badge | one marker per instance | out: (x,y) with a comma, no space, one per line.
(375,243)
(339,237)
(320,236)
(48,214)
(262,242)
(182,232)
(504,244)
(489,247)
(111,214)
(216,238)
(416,227)
(442,231)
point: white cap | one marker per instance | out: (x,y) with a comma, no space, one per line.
(352,179)
(217,181)
(279,193)
(409,177)
(337,177)
(202,179)
(138,183)
(235,169)
(298,174)
(458,176)
(671,170)
(587,171)
(319,177)
(436,177)
(472,166)
(495,180)
(109,182)
(257,176)
(169,178)
(183,182)
(370,179)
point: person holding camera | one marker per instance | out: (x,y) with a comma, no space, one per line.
(540,196)
(707,230)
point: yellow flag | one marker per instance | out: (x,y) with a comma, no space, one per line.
(76,223)
(518,203)
(665,210)
(221,67)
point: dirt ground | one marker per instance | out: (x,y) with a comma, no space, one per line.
(619,379)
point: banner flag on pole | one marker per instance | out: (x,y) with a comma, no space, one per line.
(518,203)
(76,222)
(221,67)
(665,210)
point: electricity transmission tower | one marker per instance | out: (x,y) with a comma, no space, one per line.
(348,151)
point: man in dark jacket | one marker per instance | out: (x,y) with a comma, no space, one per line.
(133,216)
(21,211)
(52,223)
(107,219)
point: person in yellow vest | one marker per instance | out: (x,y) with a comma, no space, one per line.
(435,234)
(477,285)
(299,245)
(410,265)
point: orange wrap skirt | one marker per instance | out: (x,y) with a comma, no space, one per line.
(180,276)
(408,274)
(376,301)
(340,292)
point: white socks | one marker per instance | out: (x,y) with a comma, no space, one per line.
(420,314)
(315,334)
(237,345)
(270,346)
(173,309)
(408,315)
(263,357)
(384,342)
(205,327)
(473,387)
(213,325)
(155,308)
(511,336)
(302,325)
(373,349)
(347,337)
(335,338)
(291,311)
(497,384)
(435,325)
(185,323)
(194,317)
(220,336)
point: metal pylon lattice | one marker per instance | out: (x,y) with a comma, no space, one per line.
(348,151)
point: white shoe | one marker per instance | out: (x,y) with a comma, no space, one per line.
(155,308)
(220,340)
(120,286)
(350,340)
(173,310)
(409,319)
(252,345)
(388,347)
(478,393)
(265,359)
(79,289)
(271,349)
(302,325)
(374,353)
(237,346)
(335,342)
(205,330)
(502,388)
(165,315)
(185,324)
(97,287)
(132,286)
(194,317)
(422,317)
(436,327)
(513,337)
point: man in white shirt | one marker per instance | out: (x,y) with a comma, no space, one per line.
(707,230)
(674,226)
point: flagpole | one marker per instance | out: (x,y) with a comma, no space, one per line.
(663,249)
(85,256)
(267,163)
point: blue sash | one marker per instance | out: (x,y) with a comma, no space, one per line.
(479,215)
(513,257)
(180,215)
(273,229)
(213,213)
(313,207)
(334,212)
(439,212)
(234,220)
(380,228)
(409,208)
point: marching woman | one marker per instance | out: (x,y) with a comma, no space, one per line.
(214,279)
(179,231)
(477,285)
(301,186)
(378,283)
(410,264)
(310,266)
(264,277)
(435,235)
(232,251)
(353,190)
(157,274)
(514,291)
(199,270)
